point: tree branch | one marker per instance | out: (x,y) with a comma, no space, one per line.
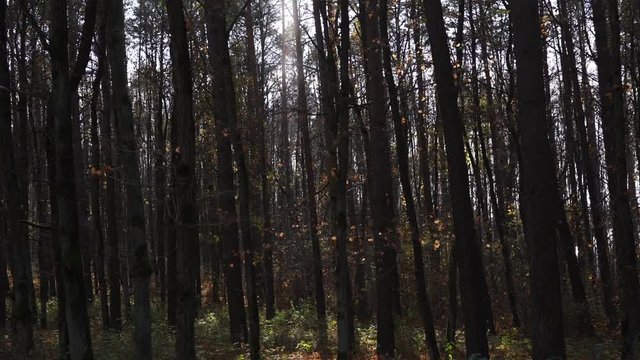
(235,19)
(86,39)
(34,24)
(36,225)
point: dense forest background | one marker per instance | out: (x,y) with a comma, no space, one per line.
(219,179)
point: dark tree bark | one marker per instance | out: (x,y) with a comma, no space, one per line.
(401,127)
(66,83)
(312,215)
(381,184)
(96,184)
(185,183)
(63,331)
(540,187)
(16,207)
(172,251)
(469,256)
(257,98)
(160,175)
(229,232)
(226,115)
(139,263)
(338,177)
(21,146)
(497,183)
(4,279)
(607,30)
(45,250)
(112,233)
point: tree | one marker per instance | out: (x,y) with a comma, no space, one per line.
(312,216)
(400,125)
(15,205)
(65,83)
(381,184)
(539,188)
(139,262)
(468,255)
(185,189)
(607,29)
(225,112)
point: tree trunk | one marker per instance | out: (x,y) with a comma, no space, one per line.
(312,215)
(381,183)
(256,96)
(540,187)
(497,182)
(338,176)
(4,279)
(225,113)
(112,246)
(469,256)
(16,207)
(614,129)
(66,83)
(96,184)
(401,127)
(160,175)
(139,263)
(185,183)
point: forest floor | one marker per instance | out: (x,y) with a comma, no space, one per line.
(292,335)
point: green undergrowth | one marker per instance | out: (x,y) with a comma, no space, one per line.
(292,334)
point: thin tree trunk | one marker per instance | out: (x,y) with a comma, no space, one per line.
(96,183)
(112,233)
(160,174)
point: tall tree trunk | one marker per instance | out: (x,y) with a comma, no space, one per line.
(63,330)
(21,146)
(497,182)
(4,279)
(112,233)
(312,215)
(11,190)
(225,113)
(97,173)
(229,232)
(421,123)
(381,183)
(338,176)
(172,250)
(257,98)
(185,183)
(65,83)
(160,166)
(540,187)
(614,129)
(401,126)
(469,256)
(139,263)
